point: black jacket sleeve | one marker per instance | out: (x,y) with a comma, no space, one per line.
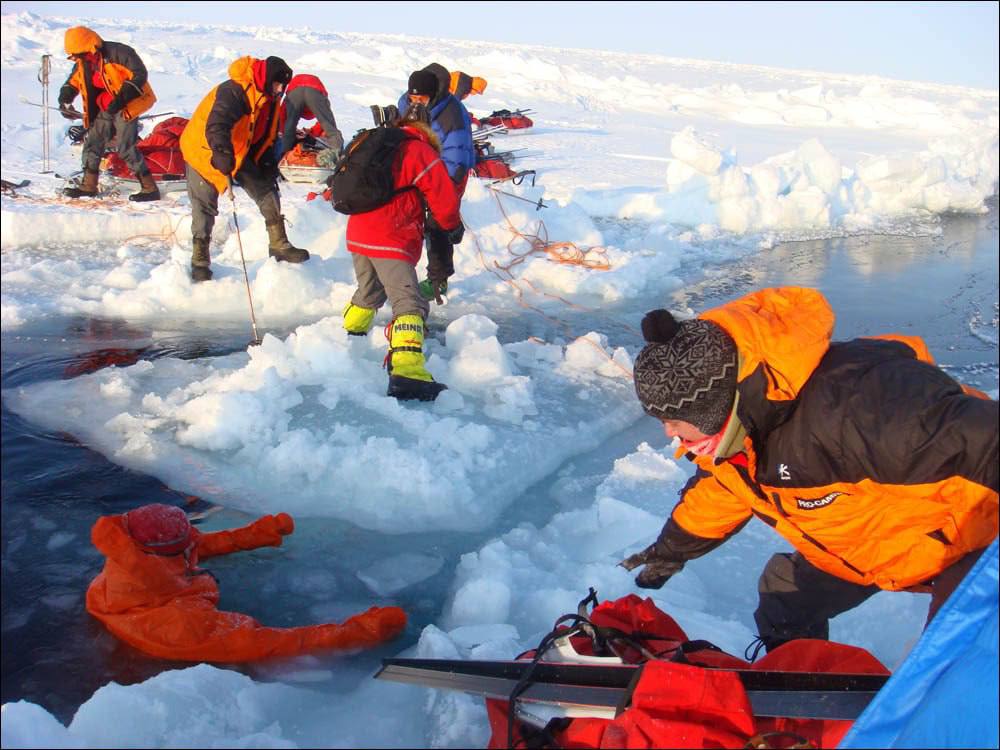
(122,54)
(229,106)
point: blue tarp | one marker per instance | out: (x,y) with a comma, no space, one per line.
(945,693)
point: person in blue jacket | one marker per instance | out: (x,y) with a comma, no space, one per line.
(452,125)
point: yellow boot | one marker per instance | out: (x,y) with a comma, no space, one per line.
(358,320)
(408,379)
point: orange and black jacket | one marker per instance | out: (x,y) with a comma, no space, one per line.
(124,76)
(876,465)
(235,118)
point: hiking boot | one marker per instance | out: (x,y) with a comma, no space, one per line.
(201,260)
(432,290)
(408,378)
(149,191)
(358,320)
(87,187)
(279,247)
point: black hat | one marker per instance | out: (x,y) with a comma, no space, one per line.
(687,372)
(276,70)
(422,83)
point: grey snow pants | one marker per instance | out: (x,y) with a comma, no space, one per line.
(380,279)
(99,135)
(205,200)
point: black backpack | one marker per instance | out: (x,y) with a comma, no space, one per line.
(363,179)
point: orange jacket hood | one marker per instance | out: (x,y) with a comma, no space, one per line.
(786,329)
(241,71)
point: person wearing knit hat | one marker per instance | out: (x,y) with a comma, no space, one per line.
(452,124)
(878,468)
(422,84)
(112,80)
(229,141)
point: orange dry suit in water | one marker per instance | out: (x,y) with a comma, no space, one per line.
(152,595)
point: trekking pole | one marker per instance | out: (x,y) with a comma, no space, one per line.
(43,77)
(79,115)
(246,278)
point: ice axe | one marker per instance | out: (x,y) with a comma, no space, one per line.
(239,241)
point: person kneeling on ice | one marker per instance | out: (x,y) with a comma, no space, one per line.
(228,140)
(153,595)
(113,81)
(386,244)
(878,467)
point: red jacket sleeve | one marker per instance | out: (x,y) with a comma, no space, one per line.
(264,532)
(422,167)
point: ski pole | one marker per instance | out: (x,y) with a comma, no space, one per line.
(79,115)
(246,278)
(537,204)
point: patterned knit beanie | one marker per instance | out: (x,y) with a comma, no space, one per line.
(686,372)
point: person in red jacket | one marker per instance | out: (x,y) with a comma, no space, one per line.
(386,245)
(153,595)
(306,98)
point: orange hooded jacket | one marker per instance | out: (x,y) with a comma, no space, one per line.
(166,607)
(114,67)
(195,138)
(877,468)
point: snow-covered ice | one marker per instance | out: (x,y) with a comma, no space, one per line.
(656,169)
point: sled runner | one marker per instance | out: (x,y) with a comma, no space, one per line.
(504,118)
(302,165)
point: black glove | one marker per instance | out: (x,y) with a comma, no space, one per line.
(459,175)
(67,111)
(224,162)
(657,570)
(116,106)
(455,235)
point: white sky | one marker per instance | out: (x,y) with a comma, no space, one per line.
(944,42)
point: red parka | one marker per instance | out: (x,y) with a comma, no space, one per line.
(165,606)
(396,230)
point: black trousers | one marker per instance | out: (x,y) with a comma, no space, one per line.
(797,600)
(440,253)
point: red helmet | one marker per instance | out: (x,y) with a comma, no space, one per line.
(159,529)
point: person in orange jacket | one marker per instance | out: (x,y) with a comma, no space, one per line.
(462,85)
(879,468)
(113,82)
(229,141)
(152,594)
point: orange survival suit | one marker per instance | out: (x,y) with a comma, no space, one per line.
(152,595)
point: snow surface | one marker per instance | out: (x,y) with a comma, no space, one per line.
(659,167)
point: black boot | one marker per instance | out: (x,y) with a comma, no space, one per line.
(410,389)
(149,191)
(279,247)
(87,187)
(201,261)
